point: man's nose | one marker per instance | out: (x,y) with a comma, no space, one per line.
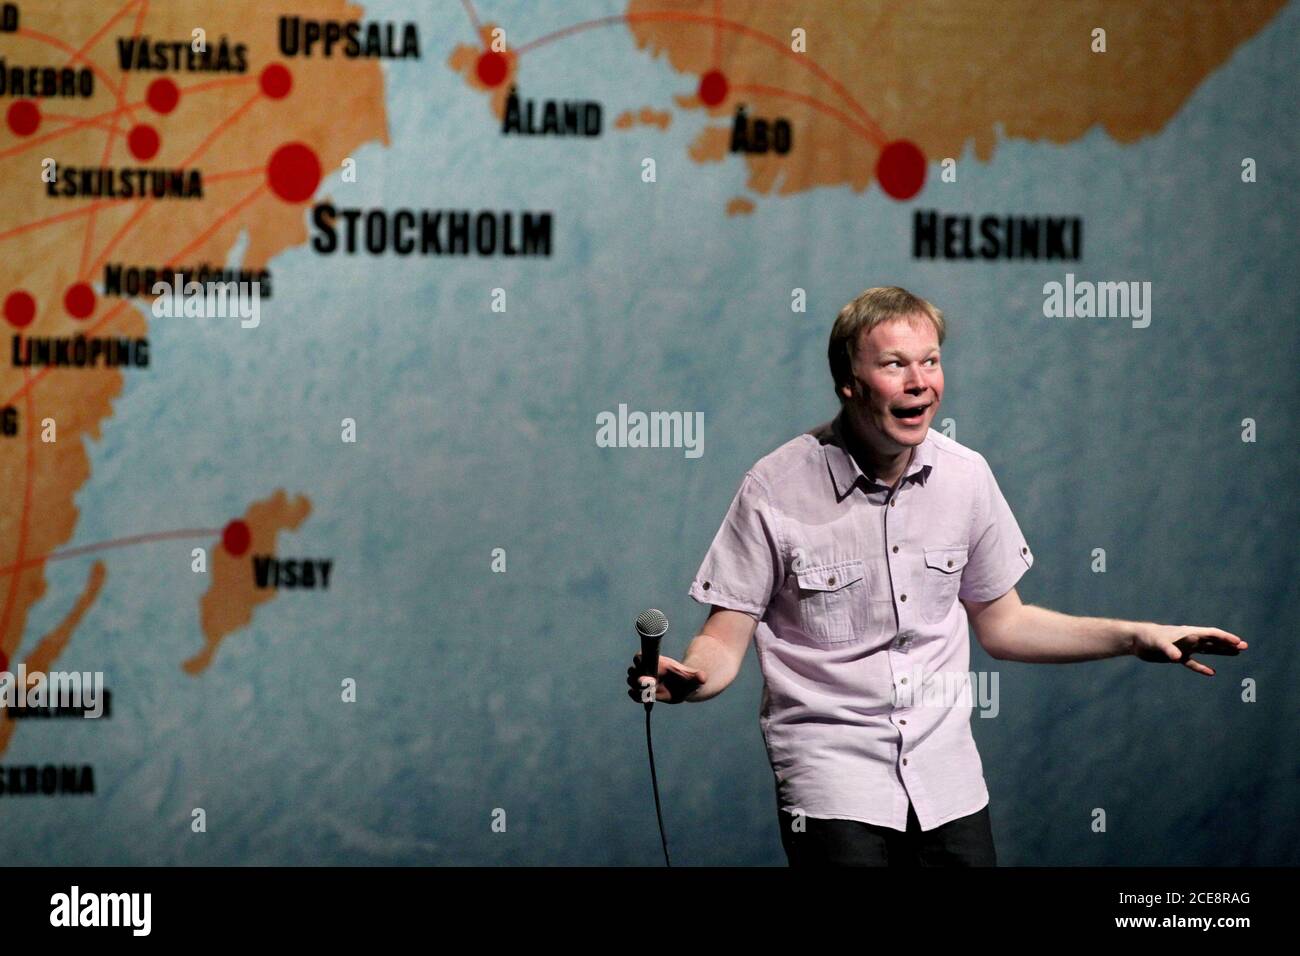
(915,380)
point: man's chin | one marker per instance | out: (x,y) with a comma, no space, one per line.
(909,435)
(887,436)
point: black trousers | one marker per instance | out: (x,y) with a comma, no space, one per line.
(966,841)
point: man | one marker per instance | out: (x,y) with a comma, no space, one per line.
(854,555)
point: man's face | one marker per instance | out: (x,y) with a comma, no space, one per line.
(896,369)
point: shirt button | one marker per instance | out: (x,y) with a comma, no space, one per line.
(902,720)
(831,580)
(904,761)
(903,681)
(895,549)
(902,597)
(706,585)
(1024,550)
(892,502)
(949,564)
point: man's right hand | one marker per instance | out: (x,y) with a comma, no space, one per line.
(675,681)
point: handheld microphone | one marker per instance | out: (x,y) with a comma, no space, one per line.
(651,625)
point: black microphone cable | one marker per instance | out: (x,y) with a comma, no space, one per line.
(654,783)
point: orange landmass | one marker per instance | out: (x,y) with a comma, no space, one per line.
(228,603)
(943,75)
(225,127)
(464,59)
(739,206)
(53,643)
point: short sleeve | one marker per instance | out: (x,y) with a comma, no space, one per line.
(743,568)
(998,554)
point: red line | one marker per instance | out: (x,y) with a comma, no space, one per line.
(239,111)
(83,272)
(73,214)
(59,44)
(573,28)
(27,504)
(139,213)
(112,543)
(32,143)
(741,28)
(717,34)
(220,221)
(118,111)
(126,76)
(171,261)
(473,18)
(217,84)
(816,104)
(104,29)
(234,174)
(113,312)
(79,121)
(108,148)
(90,223)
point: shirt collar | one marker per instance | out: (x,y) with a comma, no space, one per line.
(844,469)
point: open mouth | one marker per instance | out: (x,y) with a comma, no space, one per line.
(910,414)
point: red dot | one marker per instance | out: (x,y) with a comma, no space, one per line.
(143,142)
(294,172)
(276,81)
(24,116)
(491,68)
(79,300)
(162,95)
(713,88)
(20,309)
(236,537)
(901,169)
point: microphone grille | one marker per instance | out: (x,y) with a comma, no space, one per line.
(652,623)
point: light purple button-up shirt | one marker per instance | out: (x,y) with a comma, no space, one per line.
(856,590)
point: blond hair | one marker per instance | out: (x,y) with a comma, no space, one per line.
(872,307)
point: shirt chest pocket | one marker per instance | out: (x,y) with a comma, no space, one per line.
(942,581)
(833,601)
